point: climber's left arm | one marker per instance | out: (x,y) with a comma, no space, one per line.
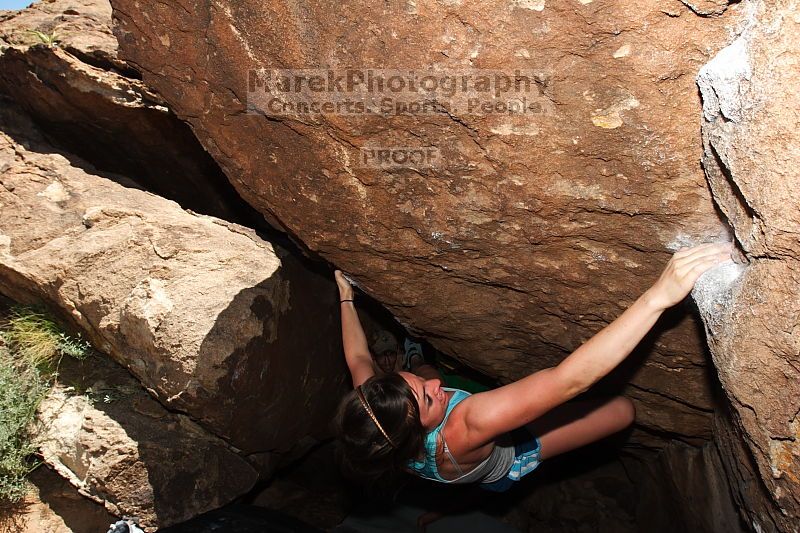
(489,414)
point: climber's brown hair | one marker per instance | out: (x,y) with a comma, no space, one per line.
(365,454)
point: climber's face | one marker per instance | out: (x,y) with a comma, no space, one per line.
(432,399)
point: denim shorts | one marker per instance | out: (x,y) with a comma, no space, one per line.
(526,459)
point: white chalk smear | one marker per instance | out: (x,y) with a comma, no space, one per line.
(351,281)
(716,291)
(681,241)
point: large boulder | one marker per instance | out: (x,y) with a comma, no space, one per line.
(750,133)
(118,446)
(529,232)
(214,321)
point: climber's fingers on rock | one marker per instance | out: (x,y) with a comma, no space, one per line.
(685,251)
(341,281)
(688,255)
(701,259)
(695,268)
(345,289)
(684,269)
(719,251)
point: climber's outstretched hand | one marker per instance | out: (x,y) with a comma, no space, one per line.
(345,289)
(683,270)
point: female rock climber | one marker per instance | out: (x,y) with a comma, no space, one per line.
(409,422)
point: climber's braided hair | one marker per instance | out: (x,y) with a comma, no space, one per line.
(373,452)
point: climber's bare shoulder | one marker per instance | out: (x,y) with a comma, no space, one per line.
(461,444)
(487,415)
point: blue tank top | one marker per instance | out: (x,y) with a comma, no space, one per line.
(513,456)
(427,468)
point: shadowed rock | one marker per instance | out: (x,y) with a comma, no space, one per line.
(214,321)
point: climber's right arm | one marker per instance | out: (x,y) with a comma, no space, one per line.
(356,352)
(490,414)
(356,349)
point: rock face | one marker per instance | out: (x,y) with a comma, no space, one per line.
(93,105)
(532,230)
(509,243)
(54,507)
(750,92)
(121,448)
(215,322)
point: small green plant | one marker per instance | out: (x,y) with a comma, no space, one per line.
(36,341)
(48,39)
(21,390)
(31,348)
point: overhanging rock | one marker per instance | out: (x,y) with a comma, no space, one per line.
(532,231)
